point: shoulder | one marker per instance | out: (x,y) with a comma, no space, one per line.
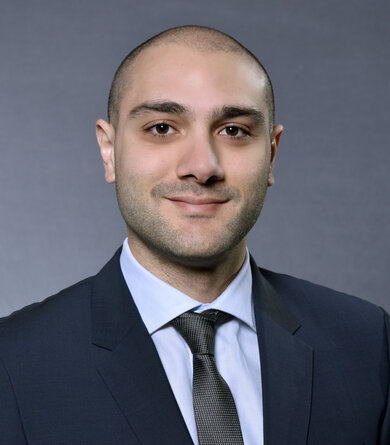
(302,292)
(321,309)
(40,323)
(62,323)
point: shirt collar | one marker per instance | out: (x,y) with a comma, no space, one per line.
(158,302)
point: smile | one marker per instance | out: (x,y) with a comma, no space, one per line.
(197,204)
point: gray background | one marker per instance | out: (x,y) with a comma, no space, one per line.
(327,217)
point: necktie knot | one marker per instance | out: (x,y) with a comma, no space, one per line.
(198,330)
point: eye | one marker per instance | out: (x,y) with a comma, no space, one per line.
(234,131)
(160,129)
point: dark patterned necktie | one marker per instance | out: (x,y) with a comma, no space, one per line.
(215,412)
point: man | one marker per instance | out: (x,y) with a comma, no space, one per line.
(127,356)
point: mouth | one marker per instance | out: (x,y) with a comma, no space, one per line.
(197,200)
(197,204)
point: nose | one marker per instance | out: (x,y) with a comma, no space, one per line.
(200,161)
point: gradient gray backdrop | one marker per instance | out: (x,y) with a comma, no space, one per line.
(327,217)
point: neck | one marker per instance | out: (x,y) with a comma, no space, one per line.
(202,283)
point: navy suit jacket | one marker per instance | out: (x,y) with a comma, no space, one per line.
(81,369)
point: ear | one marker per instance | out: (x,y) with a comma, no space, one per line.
(275,138)
(105,134)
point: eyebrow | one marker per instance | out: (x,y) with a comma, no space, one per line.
(160,107)
(229,112)
(225,112)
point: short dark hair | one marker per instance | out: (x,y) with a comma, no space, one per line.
(200,37)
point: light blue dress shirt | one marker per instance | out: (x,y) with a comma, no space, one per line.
(236,345)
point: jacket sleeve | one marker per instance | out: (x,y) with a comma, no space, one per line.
(11,429)
(385,425)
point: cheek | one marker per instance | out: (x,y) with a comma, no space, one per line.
(143,165)
(248,169)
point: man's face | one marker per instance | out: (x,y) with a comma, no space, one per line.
(191,154)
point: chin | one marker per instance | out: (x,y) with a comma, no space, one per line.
(198,256)
(196,249)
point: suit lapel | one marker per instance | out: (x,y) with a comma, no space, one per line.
(286,367)
(133,372)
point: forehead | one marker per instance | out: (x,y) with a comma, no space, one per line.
(200,80)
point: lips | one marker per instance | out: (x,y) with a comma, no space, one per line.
(197,204)
(197,200)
